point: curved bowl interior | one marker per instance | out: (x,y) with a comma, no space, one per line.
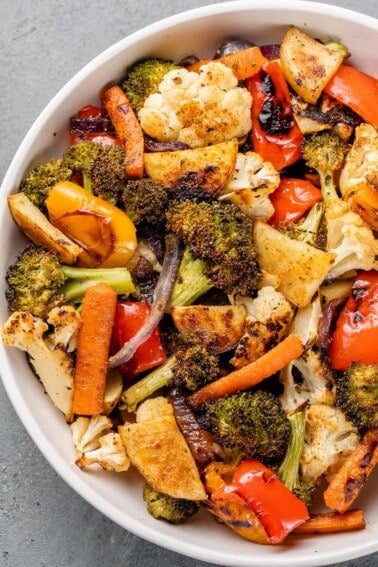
(119,496)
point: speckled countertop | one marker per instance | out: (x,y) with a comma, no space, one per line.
(43,523)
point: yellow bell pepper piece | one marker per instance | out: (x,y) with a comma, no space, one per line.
(106,233)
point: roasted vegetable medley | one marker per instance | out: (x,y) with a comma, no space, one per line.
(199,294)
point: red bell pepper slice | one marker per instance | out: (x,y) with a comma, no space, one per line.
(90,111)
(277,508)
(292,199)
(355,338)
(275,134)
(357,90)
(129,317)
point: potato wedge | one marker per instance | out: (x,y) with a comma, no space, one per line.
(217,327)
(308,65)
(301,268)
(40,231)
(157,448)
(208,168)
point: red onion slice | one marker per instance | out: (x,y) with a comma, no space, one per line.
(161,298)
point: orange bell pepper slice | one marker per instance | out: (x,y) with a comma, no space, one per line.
(106,233)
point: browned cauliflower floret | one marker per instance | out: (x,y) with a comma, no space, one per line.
(198,108)
(329,436)
(361,164)
(252,181)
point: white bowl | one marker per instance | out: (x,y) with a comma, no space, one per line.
(119,496)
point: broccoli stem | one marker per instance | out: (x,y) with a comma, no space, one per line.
(149,384)
(308,229)
(80,279)
(190,281)
(87,182)
(289,468)
(327,185)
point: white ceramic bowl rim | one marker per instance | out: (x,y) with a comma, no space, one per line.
(66,470)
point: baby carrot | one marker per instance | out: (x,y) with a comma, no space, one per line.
(92,355)
(127,128)
(252,373)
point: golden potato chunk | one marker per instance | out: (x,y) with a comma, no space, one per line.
(301,268)
(308,65)
(208,168)
(40,231)
(217,327)
(157,448)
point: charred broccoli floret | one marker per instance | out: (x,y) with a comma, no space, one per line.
(143,79)
(164,507)
(145,201)
(195,367)
(198,368)
(357,394)
(252,423)
(107,173)
(221,235)
(325,152)
(37,281)
(289,470)
(41,178)
(191,281)
(102,168)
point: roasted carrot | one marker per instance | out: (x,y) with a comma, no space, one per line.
(252,373)
(243,63)
(332,522)
(128,129)
(92,354)
(346,483)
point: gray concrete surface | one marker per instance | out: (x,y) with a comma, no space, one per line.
(43,523)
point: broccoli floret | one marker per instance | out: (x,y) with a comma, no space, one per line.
(357,394)
(189,366)
(41,178)
(145,201)
(107,173)
(102,168)
(309,229)
(37,281)
(195,367)
(143,79)
(221,235)
(289,471)
(325,152)
(252,423)
(164,507)
(191,281)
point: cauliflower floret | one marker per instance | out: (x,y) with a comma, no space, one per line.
(110,455)
(267,322)
(66,323)
(49,359)
(306,380)
(328,437)
(349,239)
(361,164)
(198,108)
(96,443)
(86,432)
(251,183)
